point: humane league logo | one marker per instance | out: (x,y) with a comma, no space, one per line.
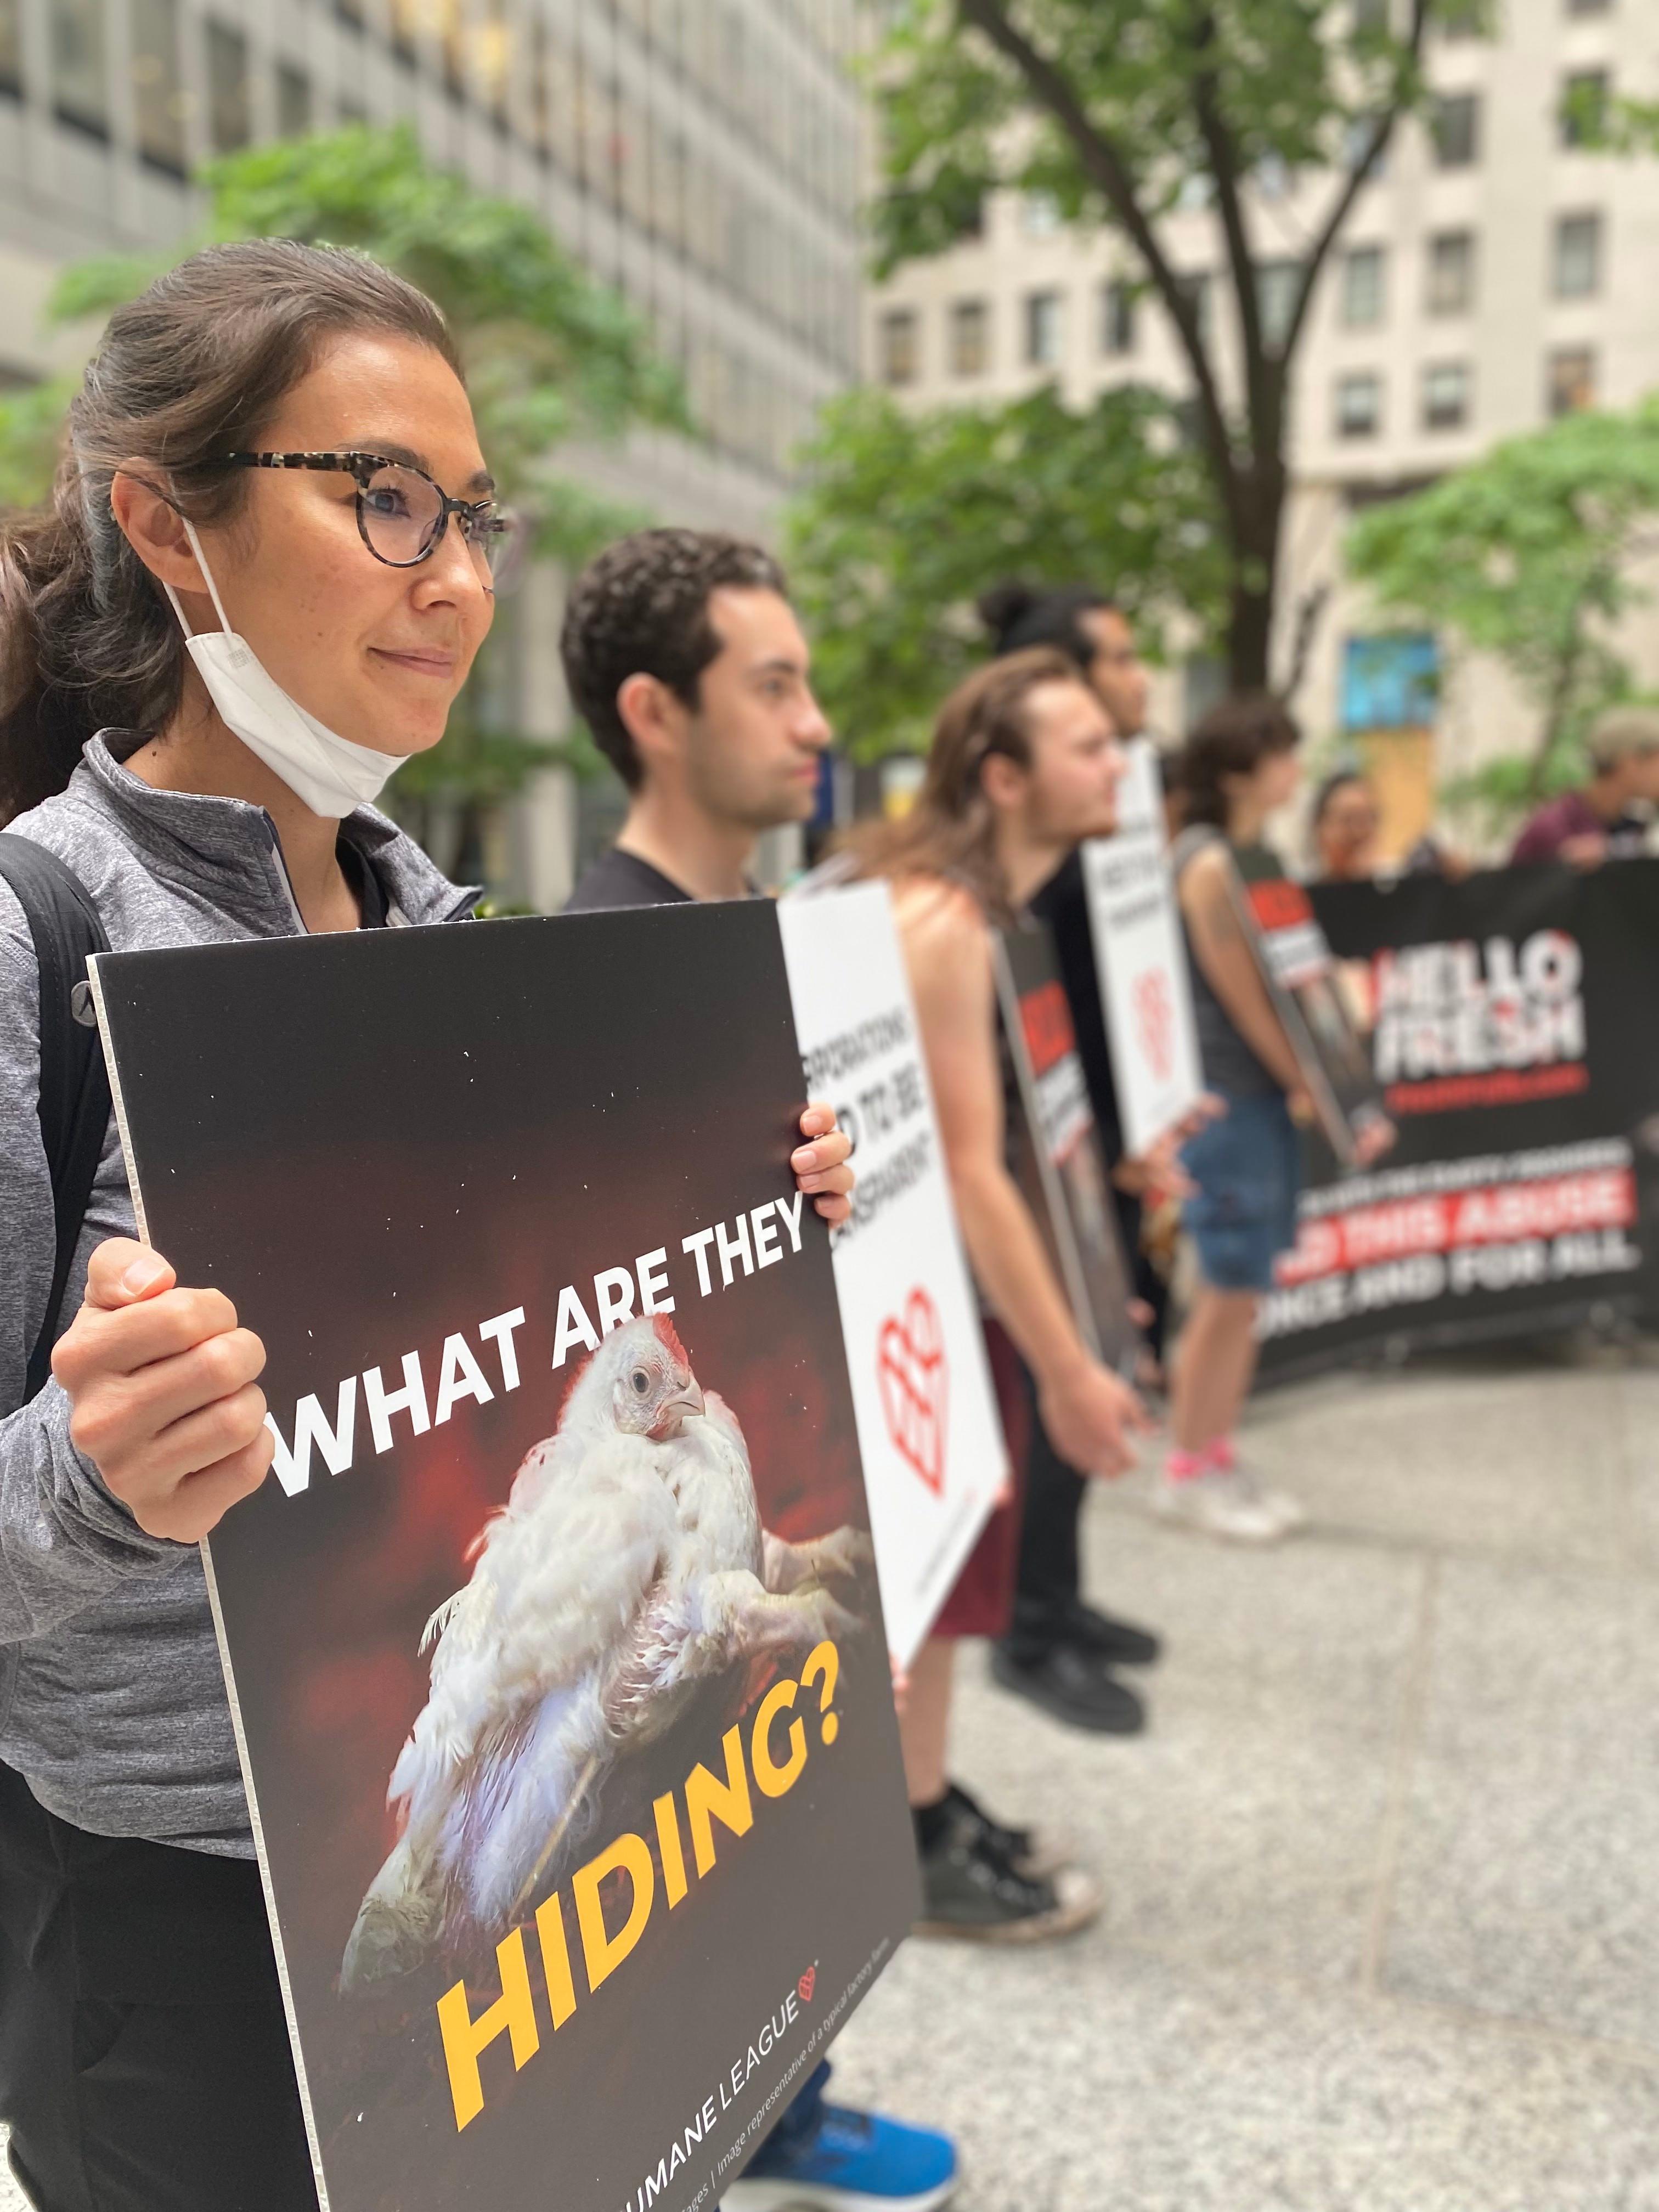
(1155,1021)
(1490,1024)
(915,1386)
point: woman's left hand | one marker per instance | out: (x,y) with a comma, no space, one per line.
(820,1164)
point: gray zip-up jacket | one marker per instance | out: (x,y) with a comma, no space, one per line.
(112,1700)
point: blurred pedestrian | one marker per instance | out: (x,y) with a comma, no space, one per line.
(1610,817)
(1024,765)
(685,658)
(1343,828)
(1239,767)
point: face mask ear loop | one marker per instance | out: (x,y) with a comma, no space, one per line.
(207,572)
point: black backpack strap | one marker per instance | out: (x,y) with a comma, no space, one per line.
(74,1099)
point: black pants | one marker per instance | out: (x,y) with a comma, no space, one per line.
(144,2059)
(1048,1580)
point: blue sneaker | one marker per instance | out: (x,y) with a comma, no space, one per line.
(835,2161)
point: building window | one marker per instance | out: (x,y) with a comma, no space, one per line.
(1450,290)
(1358,404)
(293,101)
(1446,395)
(1569,380)
(1584,111)
(1276,285)
(1456,128)
(11,45)
(80,89)
(1588,7)
(970,337)
(228,103)
(901,348)
(159,100)
(1361,287)
(1578,265)
(1044,329)
(1117,329)
(1039,215)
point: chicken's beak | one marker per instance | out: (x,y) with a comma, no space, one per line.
(677,1409)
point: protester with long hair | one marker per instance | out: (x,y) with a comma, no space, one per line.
(1240,766)
(1062,1651)
(261,581)
(1024,765)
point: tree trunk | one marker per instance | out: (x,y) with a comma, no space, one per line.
(1256,577)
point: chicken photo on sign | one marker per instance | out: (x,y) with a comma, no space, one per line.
(553,1643)
(628,1566)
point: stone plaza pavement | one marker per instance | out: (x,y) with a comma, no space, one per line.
(1384,1925)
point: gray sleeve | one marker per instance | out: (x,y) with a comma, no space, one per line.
(64,1542)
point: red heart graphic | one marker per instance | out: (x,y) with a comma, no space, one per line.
(915,1386)
(807,1983)
(1155,1021)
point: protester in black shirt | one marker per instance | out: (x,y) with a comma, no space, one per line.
(1061,1651)
(684,656)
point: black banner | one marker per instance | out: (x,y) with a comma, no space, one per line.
(1510,1021)
(553,1639)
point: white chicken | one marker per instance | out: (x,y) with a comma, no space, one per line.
(628,1566)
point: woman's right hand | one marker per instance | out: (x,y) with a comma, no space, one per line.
(161,1385)
(1090,1416)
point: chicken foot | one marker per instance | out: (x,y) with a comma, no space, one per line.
(844,1553)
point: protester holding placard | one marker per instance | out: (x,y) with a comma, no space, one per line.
(685,659)
(1024,765)
(1061,1650)
(267,566)
(1239,767)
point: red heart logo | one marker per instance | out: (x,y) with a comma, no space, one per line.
(1154,1011)
(915,1386)
(807,1983)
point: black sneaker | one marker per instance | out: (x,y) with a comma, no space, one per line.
(1073,1686)
(1026,1850)
(970,1892)
(1120,1641)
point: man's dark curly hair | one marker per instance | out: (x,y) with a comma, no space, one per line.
(641,607)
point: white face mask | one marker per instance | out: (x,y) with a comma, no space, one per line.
(332,775)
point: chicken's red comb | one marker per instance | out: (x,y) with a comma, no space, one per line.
(668,1336)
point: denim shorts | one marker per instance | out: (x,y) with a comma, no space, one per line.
(1247,1167)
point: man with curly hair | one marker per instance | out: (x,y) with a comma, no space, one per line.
(685,658)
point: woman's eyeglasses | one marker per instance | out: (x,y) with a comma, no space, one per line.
(402,514)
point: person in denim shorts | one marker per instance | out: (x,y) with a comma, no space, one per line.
(1240,764)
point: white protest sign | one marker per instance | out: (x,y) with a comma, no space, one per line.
(929,1431)
(1144,988)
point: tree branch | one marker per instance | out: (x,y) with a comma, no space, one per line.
(1310,608)
(1353,185)
(1224,169)
(1106,169)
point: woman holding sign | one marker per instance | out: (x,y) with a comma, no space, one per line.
(268,564)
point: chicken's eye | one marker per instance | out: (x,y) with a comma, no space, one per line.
(641,1381)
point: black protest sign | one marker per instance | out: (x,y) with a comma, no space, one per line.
(553,1640)
(1055,1147)
(1509,1030)
(1278,919)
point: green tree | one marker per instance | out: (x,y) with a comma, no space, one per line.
(1119,110)
(904,519)
(1526,555)
(550,355)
